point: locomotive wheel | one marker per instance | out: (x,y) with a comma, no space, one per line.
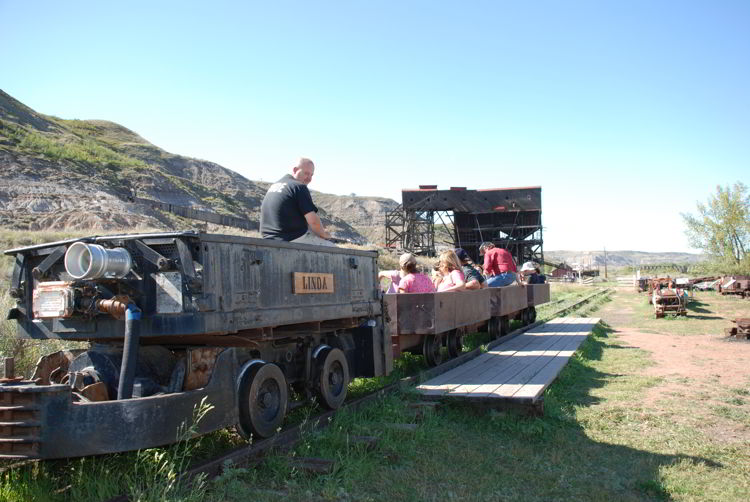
(455,342)
(263,398)
(431,349)
(333,378)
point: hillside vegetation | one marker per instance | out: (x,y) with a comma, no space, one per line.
(84,174)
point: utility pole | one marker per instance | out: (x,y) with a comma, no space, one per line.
(605,262)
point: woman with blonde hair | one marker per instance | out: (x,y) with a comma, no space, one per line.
(449,277)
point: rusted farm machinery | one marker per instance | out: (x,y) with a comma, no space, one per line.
(741,330)
(666,297)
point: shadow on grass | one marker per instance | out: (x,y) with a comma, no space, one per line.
(696,307)
(712,317)
(558,446)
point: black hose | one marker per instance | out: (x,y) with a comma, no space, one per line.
(129,352)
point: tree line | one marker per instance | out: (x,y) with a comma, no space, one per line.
(721,229)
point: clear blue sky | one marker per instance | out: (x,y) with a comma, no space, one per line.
(626,113)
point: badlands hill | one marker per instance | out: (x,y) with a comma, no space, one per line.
(89,174)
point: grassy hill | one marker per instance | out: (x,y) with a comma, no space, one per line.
(71,174)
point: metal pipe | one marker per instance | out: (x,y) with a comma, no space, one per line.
(129,352)
(92,261)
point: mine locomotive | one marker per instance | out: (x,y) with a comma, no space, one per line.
(255,326)
(252,326)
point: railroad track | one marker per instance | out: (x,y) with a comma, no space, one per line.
(252,454)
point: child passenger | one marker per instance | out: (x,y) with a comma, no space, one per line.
(449,275)
(408,279)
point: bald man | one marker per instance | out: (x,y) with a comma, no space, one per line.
(288,213)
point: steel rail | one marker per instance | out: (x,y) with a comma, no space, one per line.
(253,453)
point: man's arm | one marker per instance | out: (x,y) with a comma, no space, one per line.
(313,221)
(488,264)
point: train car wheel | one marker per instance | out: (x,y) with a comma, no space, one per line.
(532,315)
(504,325)
(525,317)
(456,342)
(494,327)
(333,378)
(263,398)
(431,349)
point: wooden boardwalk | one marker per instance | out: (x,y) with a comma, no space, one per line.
(516,371)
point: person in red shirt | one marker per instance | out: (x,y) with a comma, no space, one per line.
(498,265)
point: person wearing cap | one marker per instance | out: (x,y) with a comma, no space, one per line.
(408,279)
(499,266)
(287,212)
(532,274)
(472,276)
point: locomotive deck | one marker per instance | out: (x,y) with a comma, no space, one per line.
(517,371)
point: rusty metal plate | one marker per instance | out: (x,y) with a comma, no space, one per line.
(201,363)
(168,292)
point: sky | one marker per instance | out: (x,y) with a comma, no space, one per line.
(626,113)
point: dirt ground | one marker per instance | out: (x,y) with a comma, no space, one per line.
(698,366)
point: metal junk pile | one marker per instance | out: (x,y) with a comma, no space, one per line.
(666,297)
(742,330)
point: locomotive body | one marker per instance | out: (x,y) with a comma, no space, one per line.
(251,326)
(175,317)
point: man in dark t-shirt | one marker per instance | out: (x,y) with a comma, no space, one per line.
(288,213)
(472,277)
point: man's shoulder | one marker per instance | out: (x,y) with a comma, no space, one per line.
(287,184)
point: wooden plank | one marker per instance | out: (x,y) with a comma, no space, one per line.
(520,369)
(509,388)
(469,367)
(311,283)
(479,365)
(555,358)
(501,369)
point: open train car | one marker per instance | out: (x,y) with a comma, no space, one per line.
(252,325)
(423,323)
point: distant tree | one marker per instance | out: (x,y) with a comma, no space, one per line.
(722,228)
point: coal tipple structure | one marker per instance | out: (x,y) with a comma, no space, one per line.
(511,218)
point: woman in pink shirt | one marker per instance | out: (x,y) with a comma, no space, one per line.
(450,277)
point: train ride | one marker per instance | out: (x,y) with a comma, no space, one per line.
(256,327)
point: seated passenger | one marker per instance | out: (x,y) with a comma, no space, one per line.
(413,281)
(472,274)
(499,266)
(449,276)
(531,273)
(407,279)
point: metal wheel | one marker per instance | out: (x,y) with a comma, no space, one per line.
(494,327)
(456,342)
(333,377)
(532,315)
(431,349)
(504,325)
(263,399)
